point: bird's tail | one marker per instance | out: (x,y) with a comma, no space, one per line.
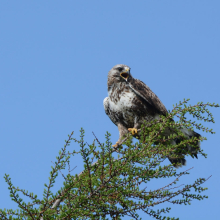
(179,159)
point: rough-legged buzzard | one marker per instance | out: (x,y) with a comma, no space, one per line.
(130,102)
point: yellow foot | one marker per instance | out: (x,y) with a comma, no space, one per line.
(116,145)
(133,131)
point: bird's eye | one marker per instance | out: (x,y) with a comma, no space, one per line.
(120,69)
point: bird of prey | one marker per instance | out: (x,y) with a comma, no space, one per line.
(130,102)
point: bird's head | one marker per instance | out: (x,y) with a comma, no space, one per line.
(120,72)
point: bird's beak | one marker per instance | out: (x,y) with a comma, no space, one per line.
(125,74)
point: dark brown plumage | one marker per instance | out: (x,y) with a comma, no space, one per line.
(130,102)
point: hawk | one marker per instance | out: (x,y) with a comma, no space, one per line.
(130,102)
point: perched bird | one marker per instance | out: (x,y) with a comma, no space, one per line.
(130,102)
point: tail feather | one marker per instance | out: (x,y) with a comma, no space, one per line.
(177,162)
(193,150)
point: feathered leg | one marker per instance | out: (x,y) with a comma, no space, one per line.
(122,132)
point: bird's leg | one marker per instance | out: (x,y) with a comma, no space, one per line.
(122,132)
(136,126)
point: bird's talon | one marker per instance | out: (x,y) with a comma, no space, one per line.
(133,131)
(116,145)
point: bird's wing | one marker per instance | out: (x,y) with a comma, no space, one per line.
(142,90)
(108,111)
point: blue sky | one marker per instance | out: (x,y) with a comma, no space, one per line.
(55,57)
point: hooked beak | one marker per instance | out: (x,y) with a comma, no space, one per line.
(125,74)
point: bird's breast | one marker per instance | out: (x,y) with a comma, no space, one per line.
(121,99)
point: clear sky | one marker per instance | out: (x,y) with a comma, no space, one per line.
(55,56)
